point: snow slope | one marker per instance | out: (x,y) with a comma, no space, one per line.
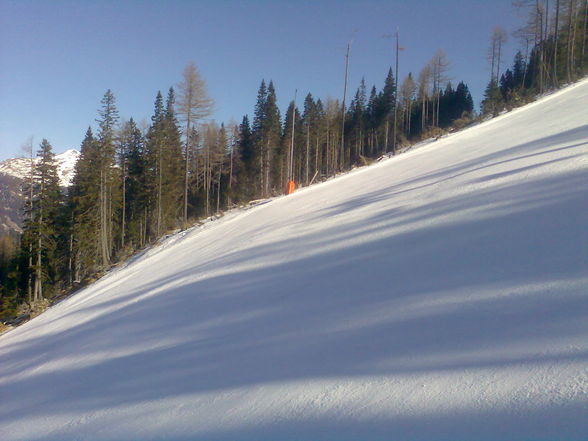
(438,295)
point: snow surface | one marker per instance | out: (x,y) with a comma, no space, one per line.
(438,295)
(21,167)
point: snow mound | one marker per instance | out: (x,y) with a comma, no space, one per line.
(438,295)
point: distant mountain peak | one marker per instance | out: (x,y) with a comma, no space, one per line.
(12,173)
(20,167)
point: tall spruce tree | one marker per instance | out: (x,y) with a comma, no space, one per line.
(135,191)
(85,204)
(41,230)
(106,164)
(247,153)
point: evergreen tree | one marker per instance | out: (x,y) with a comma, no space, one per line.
(357,119)
(387,100)
(106,162)
(173,163)
(133,217)
(257,157)
(492,103)
(40,231)
(310,122)
(518,71)
(266,136)
(84,203)
(289,159)
(246,149)
(507,85)
(271,142)
(154,169)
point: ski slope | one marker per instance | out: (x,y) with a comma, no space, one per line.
(438,295)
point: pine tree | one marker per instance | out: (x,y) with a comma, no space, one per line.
(518,71)
(153,171)
(310,121)
(84,202)
(247,154)
(40,231)
(272,132)
(492,103)
(387,100)
(173,163)
(136,194)
(266,135)
(357,119)
(507,85)
(107,149)
(257,129)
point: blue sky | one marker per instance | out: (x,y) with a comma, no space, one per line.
(57,58)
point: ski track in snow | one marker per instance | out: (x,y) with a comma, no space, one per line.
(438,295)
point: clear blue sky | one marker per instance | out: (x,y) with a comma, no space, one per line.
(57,58)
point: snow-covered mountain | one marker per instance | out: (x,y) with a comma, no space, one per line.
(438,295)
(20,167)
(12,173)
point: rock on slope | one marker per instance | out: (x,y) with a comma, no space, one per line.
(438,295)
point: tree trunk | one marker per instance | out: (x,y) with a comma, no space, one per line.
(124,206)
(555,42)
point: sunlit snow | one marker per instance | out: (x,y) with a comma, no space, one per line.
(438,295)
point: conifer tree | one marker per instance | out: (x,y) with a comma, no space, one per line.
(106,161)
(492,102)
(357,117)
(310,121)
(247,154)
(41,231)
(84,202)
(387,101)
(266,134)
(257,129)
(135,191)
(154,166)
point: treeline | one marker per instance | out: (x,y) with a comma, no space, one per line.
(135,183)
(555,53)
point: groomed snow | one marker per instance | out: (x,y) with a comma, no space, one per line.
(438,295)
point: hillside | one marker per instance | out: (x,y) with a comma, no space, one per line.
(437,295)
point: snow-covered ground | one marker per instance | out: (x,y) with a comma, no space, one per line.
(438,295)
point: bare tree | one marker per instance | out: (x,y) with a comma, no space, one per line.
(497,40)
(439,65)
(193,105)
(533,30)
(407,94)
(423,92)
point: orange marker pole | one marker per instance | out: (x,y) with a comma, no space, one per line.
(290,187)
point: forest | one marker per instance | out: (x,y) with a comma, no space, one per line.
(136,183)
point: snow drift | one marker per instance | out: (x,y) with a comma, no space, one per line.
(438,295)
